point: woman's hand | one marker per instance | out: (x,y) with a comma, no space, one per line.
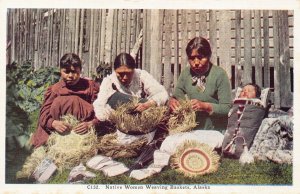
(199,105)
(144,106)
(60,126)
(83,127)
(173,104)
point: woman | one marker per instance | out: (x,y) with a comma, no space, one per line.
(206,85)
(71,95)
(122,85)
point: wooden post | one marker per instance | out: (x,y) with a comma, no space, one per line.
(247,73)
(277,68)
(266,48)
(238,67)
(168,77)
(225,41)
(213,35)
(285,79)
(258,54)
(156,44)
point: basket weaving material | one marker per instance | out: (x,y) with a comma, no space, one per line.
(66,150)
(183,119)
(129,122)
(193,158)
(108,145)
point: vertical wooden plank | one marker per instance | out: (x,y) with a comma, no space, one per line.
(62,34)
(285,79)
(127,42)
(137,32)
(119,28)
(24,41)
(168,78)
(36,39)
(91,40)
(87,30)
(176,46)
(213,35)
(114,36)
(193,24)
(156,43)
(8,36)
(266,48)
(202,23)
(225,41)
(184,37)
(108,40)
(99,37)
(13,40)
(247,72)
(277,68)
(81,32)
(134,33)
(145,38)
(103,34)
(258,54)
(48,34)
(55,38)
(77,29)
(238,68)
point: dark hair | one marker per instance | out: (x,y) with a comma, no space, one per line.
(70,59)
(256,87)
(124,59)
(202,46)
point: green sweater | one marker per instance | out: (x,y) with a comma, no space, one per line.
(217,92)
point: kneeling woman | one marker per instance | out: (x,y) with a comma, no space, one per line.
(125,83)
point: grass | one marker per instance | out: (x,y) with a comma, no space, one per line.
(229,172)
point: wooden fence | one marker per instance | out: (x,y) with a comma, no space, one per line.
(251,45)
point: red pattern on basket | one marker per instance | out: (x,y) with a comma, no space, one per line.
(182,158)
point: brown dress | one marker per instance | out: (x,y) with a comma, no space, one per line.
(60,100)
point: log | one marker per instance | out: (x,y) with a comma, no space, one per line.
(266,48)
(213,35)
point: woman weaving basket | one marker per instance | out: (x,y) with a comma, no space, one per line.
(122,86)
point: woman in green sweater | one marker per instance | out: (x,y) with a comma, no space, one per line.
(206,85)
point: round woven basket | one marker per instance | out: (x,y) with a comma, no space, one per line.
(193,158)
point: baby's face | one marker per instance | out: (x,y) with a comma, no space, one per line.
(248,92)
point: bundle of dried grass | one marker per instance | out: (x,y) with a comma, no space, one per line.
(69,150)
(127,121)
(108,145)
(66,150)
(32,162)
(183,119)
(193,158)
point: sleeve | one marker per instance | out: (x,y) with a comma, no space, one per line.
(179,92)
(101,108)
(224,95)
(45,118)
(156,91)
